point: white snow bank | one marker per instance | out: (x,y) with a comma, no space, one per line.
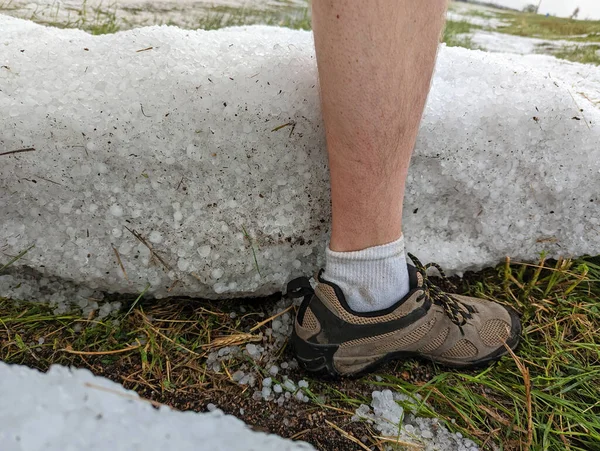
(492,41)
(191,140)
(73,409)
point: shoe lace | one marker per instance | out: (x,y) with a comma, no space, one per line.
(458,312)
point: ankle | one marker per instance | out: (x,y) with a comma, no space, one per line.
(371,279)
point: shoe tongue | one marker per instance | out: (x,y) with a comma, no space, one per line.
(415,278)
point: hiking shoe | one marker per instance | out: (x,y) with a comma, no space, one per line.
(453,330)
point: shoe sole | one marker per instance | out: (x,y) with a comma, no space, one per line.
(319,358)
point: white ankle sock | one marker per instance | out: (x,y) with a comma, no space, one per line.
(371,279)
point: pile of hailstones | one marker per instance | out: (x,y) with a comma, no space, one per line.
(277,386)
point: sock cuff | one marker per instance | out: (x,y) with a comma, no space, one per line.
(378,252)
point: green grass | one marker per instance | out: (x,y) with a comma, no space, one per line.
(455,34)
(539,26)
(548,396)
(221,17)
(7,5)
(95,20)
(580,54)
(103,19)
(485,14)
(226,16)
(162,345)
(15,258)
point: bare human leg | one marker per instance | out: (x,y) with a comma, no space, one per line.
(375,64)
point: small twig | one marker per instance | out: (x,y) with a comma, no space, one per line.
(142,108)
(197,277)
(10,152)
(289,124)
(173,285)
(48,180)
(143,50)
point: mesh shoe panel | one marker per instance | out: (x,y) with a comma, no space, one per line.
(309,321)
(436,342)
(462,349)
(494,332)
(407,339)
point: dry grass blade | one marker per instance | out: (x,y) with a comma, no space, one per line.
(253,251)
(337,409)
(396,441)
(232,340)
(173,285)
(500,419)
(348,436)
(48,180)
(123,395)
(116,351)
(527,381)
(297,435)
(289,124)
(262,323)
(120,262)
(579,110)
(545,267)
(142,240)
(10,152)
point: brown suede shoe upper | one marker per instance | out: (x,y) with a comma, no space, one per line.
(450,329)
